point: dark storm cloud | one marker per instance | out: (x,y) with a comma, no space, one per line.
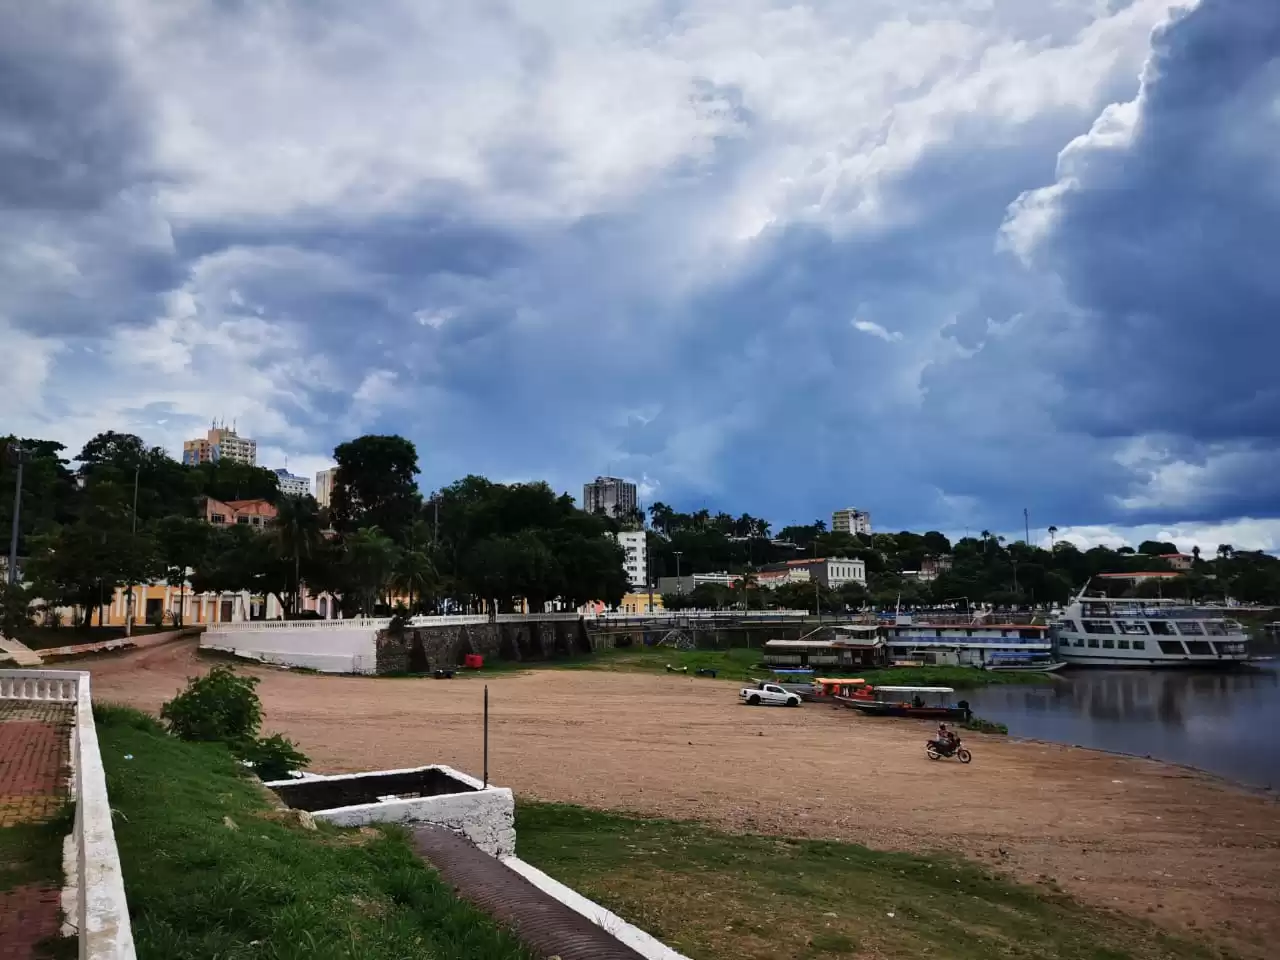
(1168,246)
(69,138)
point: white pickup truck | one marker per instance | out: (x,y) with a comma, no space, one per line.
(764,692)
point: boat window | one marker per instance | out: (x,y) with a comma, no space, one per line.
(1068,625)
(1098,626)
(1162,628)
(1122,644)
(1199,648)
(1029,634)
(1079,641)
(1096,610)
(1108,643)
(1139,644)
(1190,628)
(1132,627)
(1215,628)
(1171,648)
(1093,641)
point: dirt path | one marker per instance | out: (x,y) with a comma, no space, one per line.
(1147,838)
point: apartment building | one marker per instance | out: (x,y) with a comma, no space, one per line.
(635,546)
(220,443)
(851,520)
(609,495)
(292,486)
(325,480)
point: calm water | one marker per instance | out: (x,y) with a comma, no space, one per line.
(1226,723)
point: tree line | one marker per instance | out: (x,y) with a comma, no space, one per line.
(123,513)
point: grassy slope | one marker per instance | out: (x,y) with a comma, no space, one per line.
(198,888)
(739,663)
(720,897)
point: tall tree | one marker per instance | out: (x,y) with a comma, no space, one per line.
(295,536)
(375,485)
(182,543)
(371,558)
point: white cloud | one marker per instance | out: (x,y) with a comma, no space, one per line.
(875,330)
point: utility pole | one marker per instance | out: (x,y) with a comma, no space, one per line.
(1026,521)
(19,454)
(648,569)
(133,553)
(679,582)
(817,602)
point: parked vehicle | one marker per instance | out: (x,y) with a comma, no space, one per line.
(765,693)
(937,749)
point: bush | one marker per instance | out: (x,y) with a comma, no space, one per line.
(273,757)
(221,706)
(979,725)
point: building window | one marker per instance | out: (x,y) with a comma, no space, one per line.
(244,520)
(218,518)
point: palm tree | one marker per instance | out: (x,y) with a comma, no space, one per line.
(296,530)
(371,558)
(986,537)
(415,574)
(1195,555)
(1053,533)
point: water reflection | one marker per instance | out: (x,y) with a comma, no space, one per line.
(1227,722)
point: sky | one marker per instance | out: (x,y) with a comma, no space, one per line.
(941,260)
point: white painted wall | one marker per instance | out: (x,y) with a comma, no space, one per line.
(485,816)
(336,649)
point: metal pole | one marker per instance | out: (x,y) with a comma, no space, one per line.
(648,570)
(1026,521)
(817,603)
(17,510)
(486,736)
(679,582)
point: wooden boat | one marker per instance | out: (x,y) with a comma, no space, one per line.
(1047,667)
(907,702)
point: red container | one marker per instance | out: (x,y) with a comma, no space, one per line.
(473,661)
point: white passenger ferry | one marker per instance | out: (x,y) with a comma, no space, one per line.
(1101,632)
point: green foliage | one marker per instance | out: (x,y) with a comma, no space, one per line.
(211,870)
(15,609)
(273,757)
(984,726)
(222,707)
(375,485)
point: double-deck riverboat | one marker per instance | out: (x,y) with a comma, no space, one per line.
(1102,632)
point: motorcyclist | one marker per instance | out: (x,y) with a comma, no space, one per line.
(946,740)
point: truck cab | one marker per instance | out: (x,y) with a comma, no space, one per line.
(765,692)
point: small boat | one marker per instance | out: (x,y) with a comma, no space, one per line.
(1025,666)
(907,702)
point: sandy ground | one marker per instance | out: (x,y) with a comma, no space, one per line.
(1154,840)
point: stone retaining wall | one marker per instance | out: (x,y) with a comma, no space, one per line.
(423,649)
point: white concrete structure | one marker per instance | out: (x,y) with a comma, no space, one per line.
(635,545)
(484,815)
(93,898)
(292,486)
(324,485)
(330,646)
(635,938)
(851,520)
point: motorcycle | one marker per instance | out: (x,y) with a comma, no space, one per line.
(937,750)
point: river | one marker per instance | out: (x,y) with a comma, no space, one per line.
(1227,723)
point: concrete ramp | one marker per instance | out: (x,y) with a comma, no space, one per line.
(19,653)
(543,923)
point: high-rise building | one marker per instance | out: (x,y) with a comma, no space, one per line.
(292,486)
(850,520)
(325,480)
(609,495)
(635,546)
(220,443)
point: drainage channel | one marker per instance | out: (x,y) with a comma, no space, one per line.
(546,925)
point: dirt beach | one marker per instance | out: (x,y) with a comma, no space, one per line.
(1151,839)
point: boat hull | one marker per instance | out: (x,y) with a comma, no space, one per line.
(1027,668)
(875,708)
(1203,663)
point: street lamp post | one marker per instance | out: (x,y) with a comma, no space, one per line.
(133,553)
(19,454)
(679,582)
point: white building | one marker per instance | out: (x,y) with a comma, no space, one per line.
(292,486)
(609,495)
(635,545)
(324,485)
(851,520)
(834,572)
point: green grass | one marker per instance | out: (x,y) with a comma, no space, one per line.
(714,896)
(209,875)
(32,852)
(958,677)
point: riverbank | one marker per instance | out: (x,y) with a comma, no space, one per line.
(1153,841)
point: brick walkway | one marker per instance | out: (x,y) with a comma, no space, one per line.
(34,764)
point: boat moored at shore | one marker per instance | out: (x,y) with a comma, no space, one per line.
(1104,632)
